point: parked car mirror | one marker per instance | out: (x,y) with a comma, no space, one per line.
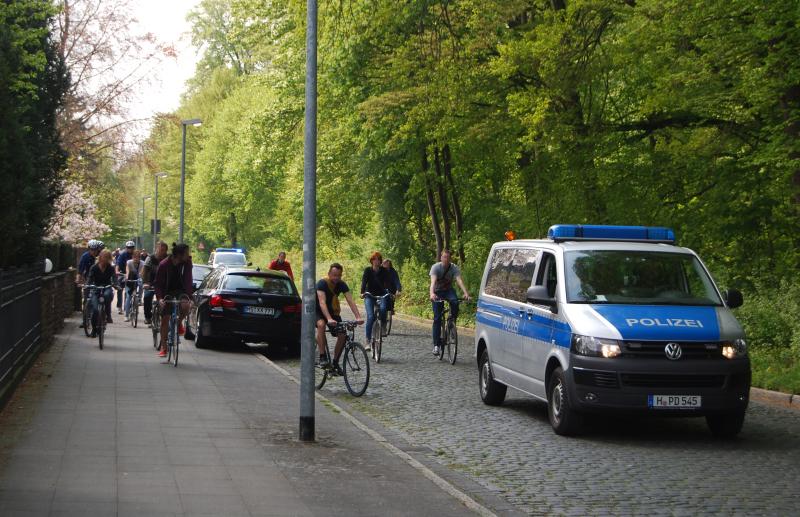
(538,295)
(733,298)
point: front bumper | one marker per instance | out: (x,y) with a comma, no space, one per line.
(625,384)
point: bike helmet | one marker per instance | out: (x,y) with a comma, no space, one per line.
(92,244)
(130,244)
(99,244)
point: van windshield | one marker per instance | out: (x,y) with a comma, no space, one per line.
(637,278)
(229,259)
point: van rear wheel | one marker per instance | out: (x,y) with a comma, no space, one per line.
(492,392)
(563,418)
(726,425)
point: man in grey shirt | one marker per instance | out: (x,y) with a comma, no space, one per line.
(443,274)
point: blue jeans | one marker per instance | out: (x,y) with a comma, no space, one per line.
(369,307)
(438,309)
(130,291)
(108,294)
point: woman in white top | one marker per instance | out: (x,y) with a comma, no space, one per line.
(133,272)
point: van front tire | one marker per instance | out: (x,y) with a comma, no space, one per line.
(492,392)
(726,425)
(563,418)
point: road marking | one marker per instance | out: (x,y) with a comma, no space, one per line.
(463,498)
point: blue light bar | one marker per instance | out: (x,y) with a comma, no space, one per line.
(232,250)
(590,232)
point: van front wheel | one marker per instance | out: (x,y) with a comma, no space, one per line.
(726,425)
(492,392)
(564,419)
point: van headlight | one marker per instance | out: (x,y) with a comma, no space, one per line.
(735,349)
(595,346)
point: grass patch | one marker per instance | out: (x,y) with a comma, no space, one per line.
(776,369)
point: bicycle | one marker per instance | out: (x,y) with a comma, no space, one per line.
(133,310)
(101,309)
(355,366)
(85,313)
(449,333)
(378,333)
(173,337)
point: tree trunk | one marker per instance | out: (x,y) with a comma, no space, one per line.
(437,160)
(458,215)
(232,230)
(437,230)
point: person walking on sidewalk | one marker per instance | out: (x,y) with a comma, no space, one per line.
(149,276)
(281,264)
(443,274)
(373,282)
(174,278)
(101,274)
(329,312)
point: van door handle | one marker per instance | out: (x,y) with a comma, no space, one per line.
(530,314)
(521,312)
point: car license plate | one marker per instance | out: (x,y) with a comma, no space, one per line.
(674,401)
(262,311)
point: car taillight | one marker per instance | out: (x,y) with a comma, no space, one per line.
(295,308)
(219,301)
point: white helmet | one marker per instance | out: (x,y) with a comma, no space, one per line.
(95,245)
(130,244)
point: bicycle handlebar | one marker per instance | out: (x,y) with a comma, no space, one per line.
(346,325)
(96,286)
(457,299)
(370,295)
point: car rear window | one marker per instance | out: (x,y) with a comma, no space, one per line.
(262,283)
(230,259)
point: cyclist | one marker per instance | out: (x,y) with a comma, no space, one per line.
(281,264)
(442,275)
(121,267)
(149,276)
(86,261)
(173,278)
(373,282)
(133,273)
(328,313)
(392,283)
(101,274)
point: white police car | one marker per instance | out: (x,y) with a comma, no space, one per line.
(233,257)
(610,318)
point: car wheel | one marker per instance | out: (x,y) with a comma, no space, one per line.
(563,418)
(200,339)
(492,392)
(726,425)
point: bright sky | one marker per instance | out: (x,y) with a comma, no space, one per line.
(167,20)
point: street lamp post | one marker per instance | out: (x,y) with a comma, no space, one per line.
(308,324)
(184,123)
(155,209)
(144,198)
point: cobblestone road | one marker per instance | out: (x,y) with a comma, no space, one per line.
(622,467)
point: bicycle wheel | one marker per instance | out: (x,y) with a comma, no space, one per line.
(87,319)
(355,367)
(101,328)
(452,342)
(443,340)
(377,340)
(156,323)
(322,378)
(171,333)
(388,323)
(176,347)
(135,310)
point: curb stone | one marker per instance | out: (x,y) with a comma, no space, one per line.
(772,398)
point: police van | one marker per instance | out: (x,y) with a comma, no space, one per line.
(596,319)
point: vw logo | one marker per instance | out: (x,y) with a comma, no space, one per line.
(673,351)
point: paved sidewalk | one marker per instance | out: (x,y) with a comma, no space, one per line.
(116,432)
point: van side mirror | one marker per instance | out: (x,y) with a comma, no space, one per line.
(733,298)
(538,295)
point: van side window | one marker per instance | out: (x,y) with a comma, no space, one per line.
(547,274)
(511,272)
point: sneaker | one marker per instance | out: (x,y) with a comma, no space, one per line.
(181,329)
(120,311)
(127,319)
(324,362)
(336,369)
(162,353)
(368,348)
(94,333)
(147,322)
(109,320)
(436,350)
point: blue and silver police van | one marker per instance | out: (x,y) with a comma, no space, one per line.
(597,319)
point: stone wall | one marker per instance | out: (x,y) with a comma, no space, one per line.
(58,302)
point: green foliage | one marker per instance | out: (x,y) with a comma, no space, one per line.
(447,122)
(32,85)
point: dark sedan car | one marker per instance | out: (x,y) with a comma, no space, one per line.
(235,305)
(199,273)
